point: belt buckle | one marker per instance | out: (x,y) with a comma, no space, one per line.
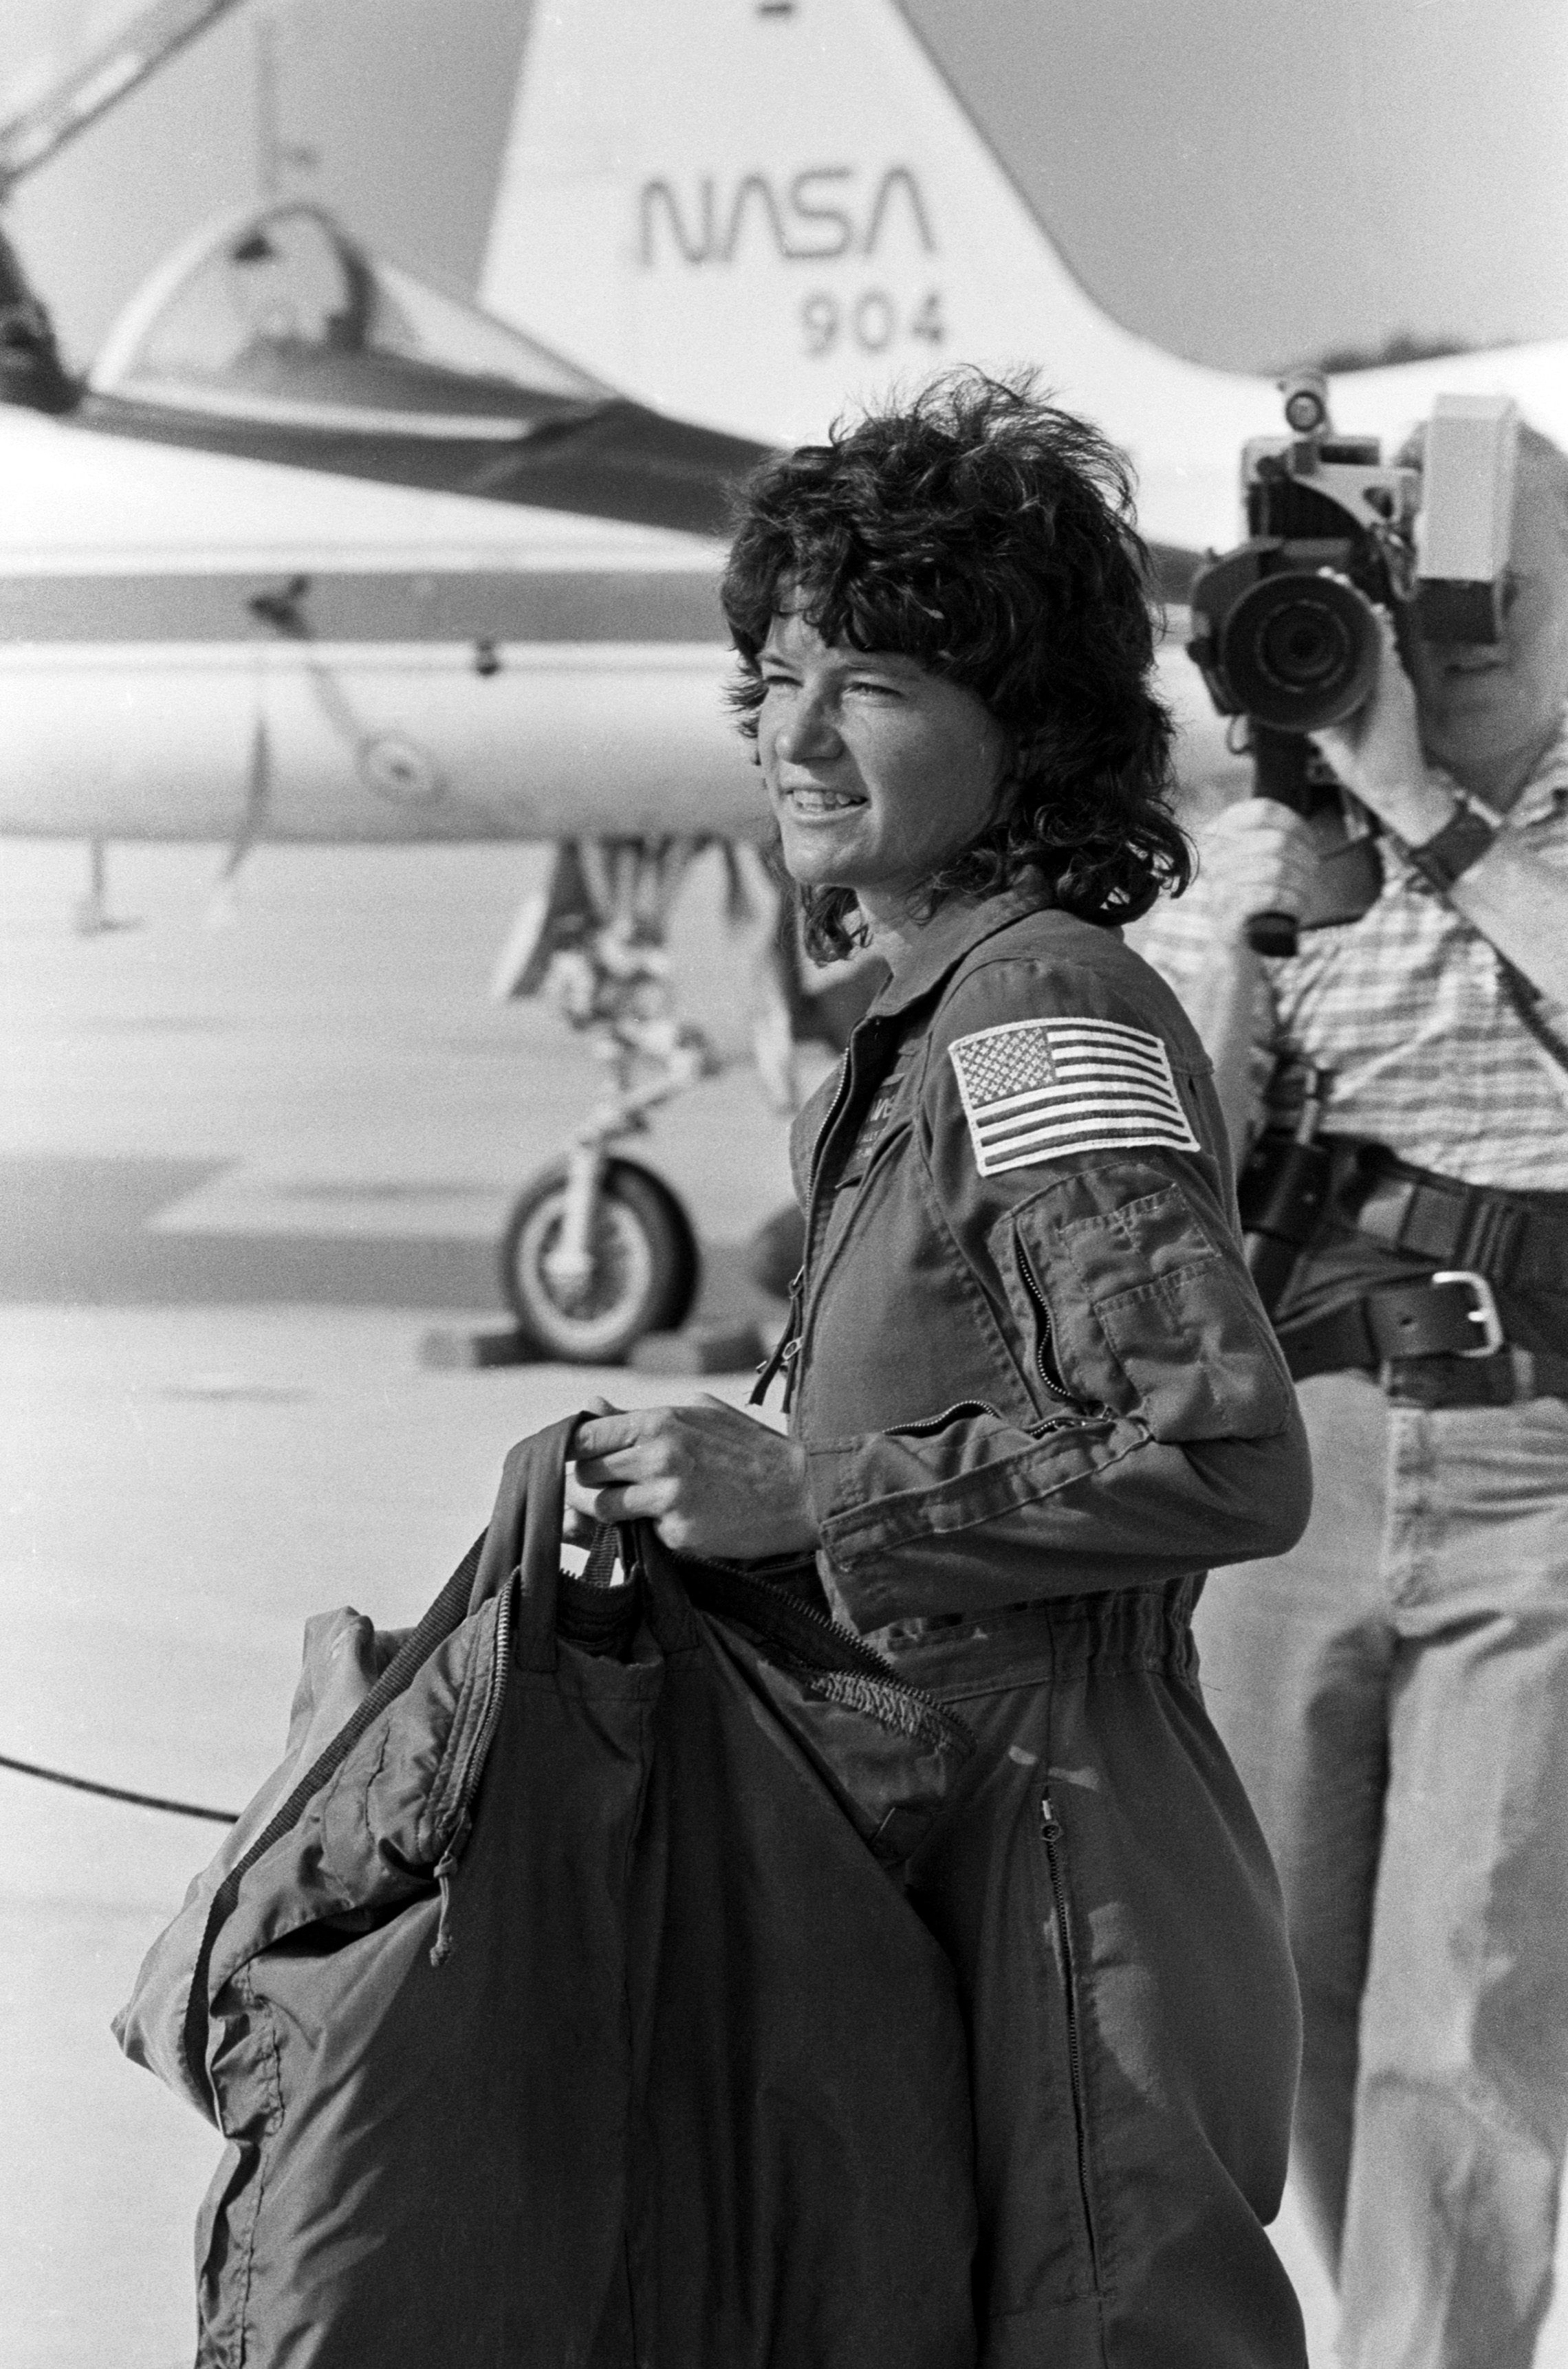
(1483,1313)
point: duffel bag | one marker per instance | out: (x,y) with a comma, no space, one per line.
(565,2008)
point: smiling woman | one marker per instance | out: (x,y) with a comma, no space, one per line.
(1033,1396)
(877,772)
(988,604)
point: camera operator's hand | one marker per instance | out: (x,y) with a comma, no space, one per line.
(1257,858)
(1376,752)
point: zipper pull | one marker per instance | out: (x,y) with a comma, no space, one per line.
(785,1355)
(1049,1827)
(446,1868)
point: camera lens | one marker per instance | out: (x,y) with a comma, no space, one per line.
(1304,647)
(1300,650)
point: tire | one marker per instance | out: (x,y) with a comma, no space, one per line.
(645,1266)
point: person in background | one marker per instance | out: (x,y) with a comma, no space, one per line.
(1034,1395)
(31,372)
(1395,1689)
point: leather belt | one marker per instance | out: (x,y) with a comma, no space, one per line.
(1436,1341)
(1515,1240)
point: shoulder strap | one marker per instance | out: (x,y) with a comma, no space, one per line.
(1525,999)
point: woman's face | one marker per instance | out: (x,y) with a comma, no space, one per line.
(877,772)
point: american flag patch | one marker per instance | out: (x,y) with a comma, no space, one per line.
(1046,1089)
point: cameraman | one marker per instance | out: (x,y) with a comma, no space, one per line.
(1395,1689)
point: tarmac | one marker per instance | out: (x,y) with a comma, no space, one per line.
(243,1174)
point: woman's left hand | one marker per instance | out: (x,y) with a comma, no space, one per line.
(1376,752)
(711,1480)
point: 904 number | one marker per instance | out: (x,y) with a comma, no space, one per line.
(869,322)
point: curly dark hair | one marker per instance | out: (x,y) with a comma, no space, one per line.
(989,536)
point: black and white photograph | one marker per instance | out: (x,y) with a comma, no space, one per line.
(783,1183)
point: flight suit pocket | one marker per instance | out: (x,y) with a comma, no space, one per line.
(1150,1315)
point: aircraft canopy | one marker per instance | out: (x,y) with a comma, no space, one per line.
(279,317)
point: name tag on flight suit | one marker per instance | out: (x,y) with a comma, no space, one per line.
(874,1125)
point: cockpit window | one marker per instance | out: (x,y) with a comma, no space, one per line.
(283,316)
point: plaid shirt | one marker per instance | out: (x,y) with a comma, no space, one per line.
(1407,1011)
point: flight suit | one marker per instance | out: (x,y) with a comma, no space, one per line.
(1038,1398)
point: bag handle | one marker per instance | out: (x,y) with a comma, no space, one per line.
(524,1537)
(524,1541)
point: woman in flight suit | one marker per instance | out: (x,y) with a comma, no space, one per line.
(1034,1395)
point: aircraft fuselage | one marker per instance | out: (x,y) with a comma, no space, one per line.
(185,636)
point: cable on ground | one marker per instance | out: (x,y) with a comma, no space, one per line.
(119,1792)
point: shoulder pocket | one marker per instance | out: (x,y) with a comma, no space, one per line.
(1150,1314)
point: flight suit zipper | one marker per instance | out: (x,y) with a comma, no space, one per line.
(1043,1335)
(785,1350)
(819,1149)
(1051,1835)
(1078,1420)
(1073,1411)
(928,1423)
(786,1353)
(470,1769)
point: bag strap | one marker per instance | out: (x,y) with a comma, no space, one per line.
(524,1540)
(1525,999)
(523,1537)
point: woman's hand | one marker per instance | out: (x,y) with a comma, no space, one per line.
(711,1480)
(1257,858)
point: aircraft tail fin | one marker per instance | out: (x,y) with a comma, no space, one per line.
(759,213)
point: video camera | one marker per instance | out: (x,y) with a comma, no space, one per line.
(1283,627)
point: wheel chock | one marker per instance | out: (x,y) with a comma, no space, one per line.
(446,1348)
(711,1348)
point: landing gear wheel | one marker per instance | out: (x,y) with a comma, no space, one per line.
(644,1265)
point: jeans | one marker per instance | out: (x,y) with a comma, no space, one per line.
(1394,1692)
